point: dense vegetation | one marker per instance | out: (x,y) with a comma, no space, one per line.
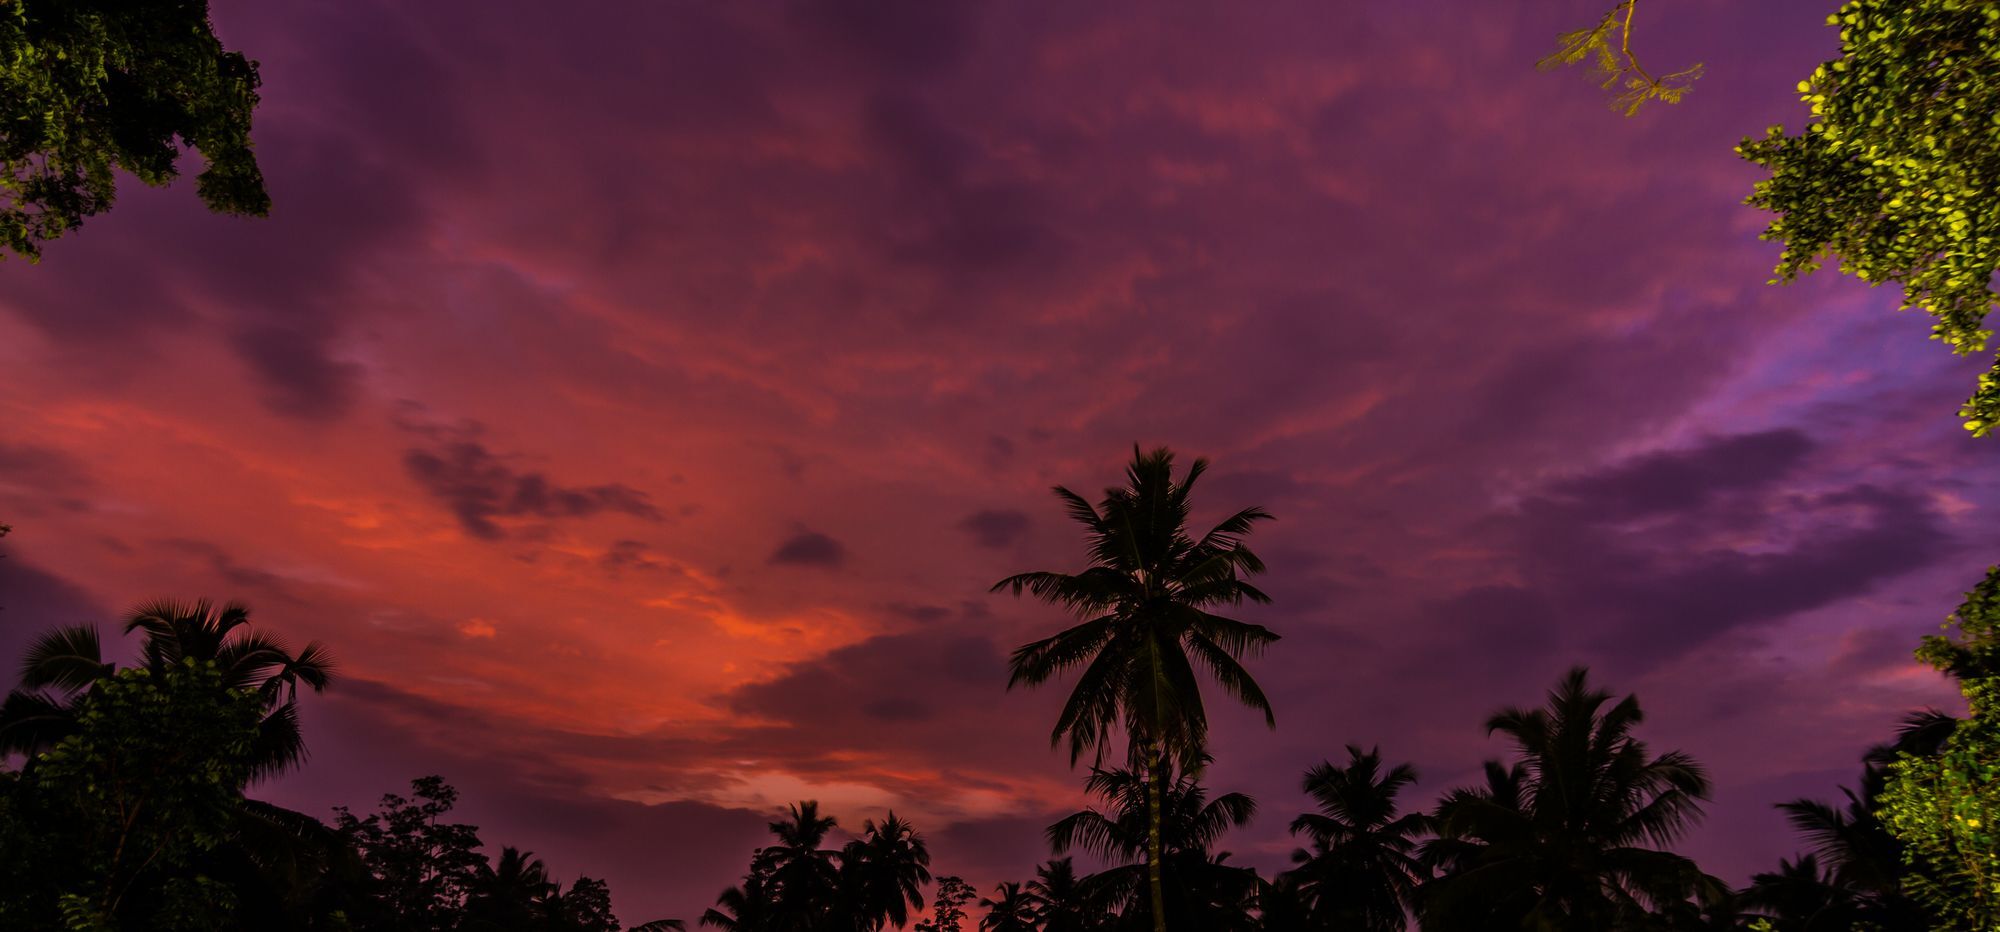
(91,88)
(126,809)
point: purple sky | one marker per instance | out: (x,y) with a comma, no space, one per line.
(640,401)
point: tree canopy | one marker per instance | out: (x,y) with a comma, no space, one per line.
(89,88)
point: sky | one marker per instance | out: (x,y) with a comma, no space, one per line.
(639,400)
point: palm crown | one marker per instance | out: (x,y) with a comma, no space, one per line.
(64,663)
(1145,598)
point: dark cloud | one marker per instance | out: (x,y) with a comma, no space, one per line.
(298,370)
(244,581)
(1656,555)
(809,548)
(628,555)
(37,480)
(995,528)
(479,487)
(1682,480)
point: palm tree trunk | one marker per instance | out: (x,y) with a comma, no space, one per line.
(1155,775)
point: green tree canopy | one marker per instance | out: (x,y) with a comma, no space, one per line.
(89,88)
(1898,174)
(1944,807)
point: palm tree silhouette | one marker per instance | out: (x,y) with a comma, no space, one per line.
(1361,870)
(508,894)
(749,906)
(1201,891)
(62,664)
(1144,600)
(1856,862)
(883,873)
(1013,911)
(1562,840)
(1065,901)
(1805,896)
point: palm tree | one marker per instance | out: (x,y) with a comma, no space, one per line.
(1804,896)
(63,663)
(1863,863)
(1066,902)
(884,872)
(507,895)
(1144,601)
(1563,840)
(1014,911)
(1362,870)
(748,905)
(805,876)
(1201,891)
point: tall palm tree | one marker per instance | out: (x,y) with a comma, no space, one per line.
(1013,911)
(1065,901)
(1361,870)
(62,664)
(883,873)
(1144,599)
(1565,839)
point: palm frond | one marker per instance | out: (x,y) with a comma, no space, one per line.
(67,658)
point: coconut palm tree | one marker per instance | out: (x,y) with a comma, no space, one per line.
(1201,891)
(1804,896)
(1144,601)
(1065,901)
(883,873)
(508,894)
(1361,870)
(1013,911)
(1566,839)
(63,663)
(748,906)
(804,876)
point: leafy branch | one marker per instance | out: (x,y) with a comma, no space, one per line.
(1613,60)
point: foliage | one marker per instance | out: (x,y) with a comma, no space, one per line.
(1145,601)
(1898,174)
(798,885)
(1945,807)
(948,906)
(117,818)
(1200,891)
(91,87)
(1565,838)
(1361,871)
(424,868)
(63,664)
(1632,85)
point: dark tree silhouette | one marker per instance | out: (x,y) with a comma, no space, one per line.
(1144,599)
(64,663)
(1361,870)
(883,873)
(1065,901)
(1565,839)
(1201,890)
(1011,910)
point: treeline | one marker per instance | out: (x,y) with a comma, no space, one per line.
(1571,833)
(127,811)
